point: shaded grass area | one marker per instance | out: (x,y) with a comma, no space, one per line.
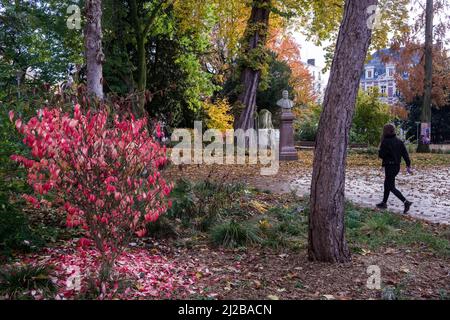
(379,229)
(17,282)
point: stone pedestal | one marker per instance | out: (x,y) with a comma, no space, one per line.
(287,148)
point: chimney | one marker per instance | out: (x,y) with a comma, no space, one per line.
(312,62)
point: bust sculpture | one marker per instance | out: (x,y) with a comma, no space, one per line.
(287,148)
(285,103)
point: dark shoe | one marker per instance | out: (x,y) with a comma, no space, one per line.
(407,206)
(382,205)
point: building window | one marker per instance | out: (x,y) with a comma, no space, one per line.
(390,92)
(391,72)
(369,74)
(383,89)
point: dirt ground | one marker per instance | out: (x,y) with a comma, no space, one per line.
(267,274)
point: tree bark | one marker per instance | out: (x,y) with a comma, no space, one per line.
(93,48)
(326,220)
(142,75)
(256,37)
(426,108)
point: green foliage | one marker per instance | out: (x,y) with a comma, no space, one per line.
(202,203)
(162,228)
(178,78)
(35,37)
(285,227)
(440,119)
(276,80)
(174,54)
(308,124)
(15,231)
(232,234)
(369,118)
(16,282)
(366,227)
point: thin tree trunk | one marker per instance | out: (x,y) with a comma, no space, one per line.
(256,37)
(142,26)
(142,75)
(426,108)
(326,220)
(93,48)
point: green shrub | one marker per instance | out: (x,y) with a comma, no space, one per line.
(308,124)
(162,228)
(15,231)
(370,117)
(371,151)
(17,282)
(203,203)
(232,234)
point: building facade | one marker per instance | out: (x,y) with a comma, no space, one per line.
(318,79)
(380,72)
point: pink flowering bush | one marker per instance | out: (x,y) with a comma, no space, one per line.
(102,171)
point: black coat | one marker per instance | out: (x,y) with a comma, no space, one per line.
(392,150)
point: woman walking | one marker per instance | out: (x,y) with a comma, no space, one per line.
(392,150)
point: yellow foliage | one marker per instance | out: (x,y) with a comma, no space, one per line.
(219,116)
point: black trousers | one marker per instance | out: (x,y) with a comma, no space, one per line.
(391,171)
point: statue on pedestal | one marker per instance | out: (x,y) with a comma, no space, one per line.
(287,148)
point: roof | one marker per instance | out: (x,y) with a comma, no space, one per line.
(379,61)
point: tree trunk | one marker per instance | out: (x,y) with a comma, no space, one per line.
(426,108)
(142,23)
(256,37)
(142,76)
(326,220)
(93,47)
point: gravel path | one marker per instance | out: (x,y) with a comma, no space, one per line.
(428,189)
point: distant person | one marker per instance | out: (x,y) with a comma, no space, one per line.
(392,150)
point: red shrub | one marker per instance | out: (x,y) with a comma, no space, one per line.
(104,173)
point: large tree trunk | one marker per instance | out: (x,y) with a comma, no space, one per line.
(93,47)
(256,37)
(326,220)
(426,108)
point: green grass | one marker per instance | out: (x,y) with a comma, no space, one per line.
(377,229)
(17,282)
(365,228)
(232,234)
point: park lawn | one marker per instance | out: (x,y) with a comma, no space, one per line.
(255,247)
(419,160)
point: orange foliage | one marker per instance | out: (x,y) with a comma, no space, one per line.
(399,112)
(414,86)
(288,50)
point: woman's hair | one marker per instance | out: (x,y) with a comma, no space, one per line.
(388,131)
